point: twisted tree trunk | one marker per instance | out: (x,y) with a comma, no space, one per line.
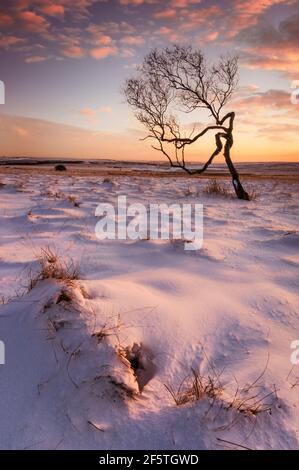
(240,191)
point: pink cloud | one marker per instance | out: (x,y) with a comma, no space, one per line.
(88,112)
(135,2)
(73,51)
(53,9)
(246,13)
(8,41)
(6,19)
(184,3)
(20,131)
(199,17)
(273,48)
(168,13)
(102,40)
(132,40)
(103,52)
(262,102)
(168,33)
(282,59)
(33,22)
(212,36)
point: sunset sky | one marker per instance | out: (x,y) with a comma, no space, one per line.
(64,64)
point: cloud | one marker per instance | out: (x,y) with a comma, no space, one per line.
(127,53)
(35,59)
(267,114)
(212,36)
(280,131)
(33,22)
(6,20)
(49,139)
(53,9)
(246,13)
(8,41)
(136,2)
(168,33)
(132,40)
(272,48)
(168,13)
(92,115)
(106,109)
(270,100)
(184,3)
(110,27)
(20,131)
(207,16)
(87,112)
(103,52)
(73,51)
(103,40)
(275,60)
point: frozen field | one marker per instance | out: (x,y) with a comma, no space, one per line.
(87,362)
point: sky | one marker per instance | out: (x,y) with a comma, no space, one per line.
(64,64)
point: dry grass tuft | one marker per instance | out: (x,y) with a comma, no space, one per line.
(189,191)
(252,401)
(253,195)
(84,292)
(213,187)
(64,296)
(108,330)
(73,200)
(196,387)
(4,299)
(51,266)
(249,401)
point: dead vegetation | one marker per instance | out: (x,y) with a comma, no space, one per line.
(107,330)
(20,186)
(53,266)
(190,191)
(250,400)
(216,188)
(73,200)
(252,193)
(64,296)
(4,299)
(122,389)
(292,379)
(194,387)
(60,195)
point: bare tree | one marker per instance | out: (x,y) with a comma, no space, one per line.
(181,77)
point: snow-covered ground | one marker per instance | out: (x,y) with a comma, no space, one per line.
(228,311)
